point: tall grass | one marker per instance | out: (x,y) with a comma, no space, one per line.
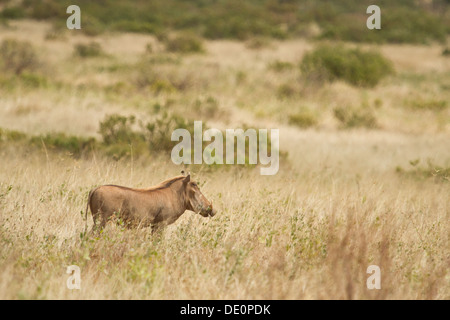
(266,242)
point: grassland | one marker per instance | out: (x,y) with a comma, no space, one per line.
(347,196)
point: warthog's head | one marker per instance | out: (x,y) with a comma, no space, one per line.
(195,200)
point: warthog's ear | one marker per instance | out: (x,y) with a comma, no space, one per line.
(187,179)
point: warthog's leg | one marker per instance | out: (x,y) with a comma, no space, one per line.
(157,229)
(98,225)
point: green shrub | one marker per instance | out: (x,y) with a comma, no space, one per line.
(121,136)
(135,26)
(162,85)
(350,117)
(355,66)
(11,135)
(185,43)
(159,131)
(285,91)
(431,105)
(303,119)
(402,21)
(90,25)
(33,80)
(92,49)
(12,13)
(408,23)
(77,146)
(18,56)
(446,52)
(280,66)
(439,173)
(47,9)
(161,78)
(208,107)
(117,129)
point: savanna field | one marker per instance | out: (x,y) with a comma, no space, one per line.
(364,175)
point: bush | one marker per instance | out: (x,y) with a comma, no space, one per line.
(357,67)
(408,23)
(17,56)
(135,26)
(12,13)
(430,105)
(92,49)
(439,173)
(33,80)
(121,137)
(185,43)
(285,91)
(159,131)
(207,107)
(160,77)
(62,142)
(280,66)
(11,135)
(402,21)
(121,134)
(43,10)
(350,117)
(91,26)
(303,119)
(116,129)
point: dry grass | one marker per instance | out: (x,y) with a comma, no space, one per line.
(306,234)
(336,206)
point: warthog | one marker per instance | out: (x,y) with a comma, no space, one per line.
(156,206)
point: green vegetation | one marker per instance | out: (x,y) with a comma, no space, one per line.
(431,170)
(303,119)
(76,146)
(355,66)
(121,135)
(17,56)
(11,135)
(12,12)
(402,21)
(430,105)
(185,43)
(280,66)
(286,90)
(92,49)
(351,117)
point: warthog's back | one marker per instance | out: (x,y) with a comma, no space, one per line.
(129,204)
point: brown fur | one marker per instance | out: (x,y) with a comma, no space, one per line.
(157,206)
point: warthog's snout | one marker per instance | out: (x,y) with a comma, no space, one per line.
(212,212)
(208,212)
